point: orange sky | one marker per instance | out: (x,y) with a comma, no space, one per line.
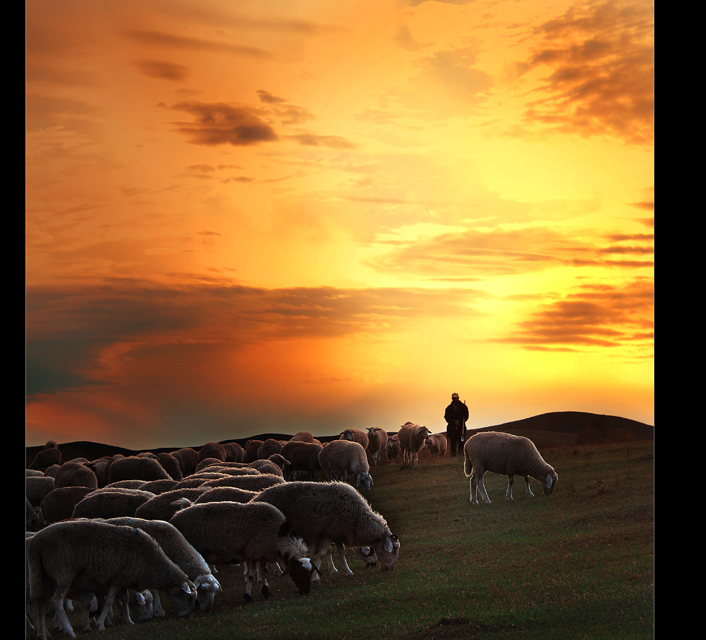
(264,216)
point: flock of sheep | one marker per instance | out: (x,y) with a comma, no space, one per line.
(126,531)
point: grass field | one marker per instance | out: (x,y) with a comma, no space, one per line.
(575,565)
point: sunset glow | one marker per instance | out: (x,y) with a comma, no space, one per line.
(263,216)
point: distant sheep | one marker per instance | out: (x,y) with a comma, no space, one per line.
(99,557)
(234,452)
(46,457)
(183,554)
(326,512)
(249,482)
(37,487)
(251,533)
(355,435)
(302,457)
(268,466)
(435,444)
(136,468)
(393,450)
(509,455)
(412,437)
(188,458)
(226,494)
(111,503)
(75,474)
(165,505)
(302,436)
(59,504)
(171,465)
(344,458)
(377,443)
(267,448)
(157,486)
(212,450)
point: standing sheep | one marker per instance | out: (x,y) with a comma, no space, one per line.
(412,437)
(46,457)
(435,444)
(75,474)
(355,435)
(343,458)
(188,458)
(234,452)
(59,504)
(393,447)
(328,512)
(136,468)
(302,456)
(183,554)
(212,450)
(509,455)
(165,505)
(251,533)
(111,503)
(377,443)
(102,558)
(268,448)
(251,449)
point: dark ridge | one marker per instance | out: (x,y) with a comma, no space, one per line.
(562,428)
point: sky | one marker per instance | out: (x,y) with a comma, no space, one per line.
(262,216)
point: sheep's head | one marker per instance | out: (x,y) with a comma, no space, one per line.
(183,598)
(363,481)
(141,605)
(387,551)
(300,570)
(206,588)
(549,482)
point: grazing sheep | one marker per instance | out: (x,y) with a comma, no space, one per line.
(302,456)
(377,443)
(37,487)
(252,483)
(208,462)
(183,554)
(355,435)
(102,558)
(165,505)
(125,484)
(251,533)
(226,494)
(343,458)
(436,445)
(268,466)
(33,516)
(136,468)
(100,469)
(111,503)
(509,455)
(251,449)
(267,448)
(412,437)
(59,504)
(212,450)
(46,457)
(326,512)
(302,436)
(394,450)
(171,465)
(234,452)
(188,458)
(157,486)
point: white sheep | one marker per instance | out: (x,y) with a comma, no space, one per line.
(377,443)
(435,444)
(509,455)
(355,435)
(165,505)
(328,512)
(90,555)
(249,482)
(183,554)
(412,437)
(111,503)
(344,458)
(251,533)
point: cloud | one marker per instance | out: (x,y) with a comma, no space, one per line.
(600,58)
(595,315)
(313,140)
(162,39)
(162,70)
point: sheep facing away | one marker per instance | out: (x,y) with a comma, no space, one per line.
(302,457)
(508,455)
(377,443)
(344,458)
(435,444)
(105,559)
(326,512)
(412,437)
(251,533)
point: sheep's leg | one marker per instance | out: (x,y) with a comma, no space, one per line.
(474,489)
(250,572)
(527,486)
(157,604)
(126,608)
(342,553)
(100,621)
(481,488)
(262,569)
(510,480)
(322,549)
(61,618)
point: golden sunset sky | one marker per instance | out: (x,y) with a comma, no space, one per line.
(248,216)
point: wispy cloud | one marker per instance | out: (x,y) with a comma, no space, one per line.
(162,70)
(169,40)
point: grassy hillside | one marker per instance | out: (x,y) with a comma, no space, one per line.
(577,564)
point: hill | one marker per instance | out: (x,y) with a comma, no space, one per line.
(559,428)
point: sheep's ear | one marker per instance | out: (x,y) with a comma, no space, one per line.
(186,588)
(388,544)
(140,598)
(550,481)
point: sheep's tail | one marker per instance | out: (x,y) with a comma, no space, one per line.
(467,466)
(37,576)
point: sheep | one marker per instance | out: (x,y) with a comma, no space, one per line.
(37,487)
(436,445)
(111,503)
(136,468)
(234,452)
(226,494)
(165,505)
(267,448)
(252,483)
(393,449)
(33,516)
(126,484)
(302,456)
(183,554)
(509,455)
(46,457)
(251,533)
(326,512)
(268,466)
(251,449)
(99,557)
(171,465)
(59,504)
(207,462)
(355,435)
(377,443)
(342,458)
(212,450)
(157,486)
(188,458)
(302,436)
(412,437)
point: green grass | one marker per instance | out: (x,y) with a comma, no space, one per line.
(577,564)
